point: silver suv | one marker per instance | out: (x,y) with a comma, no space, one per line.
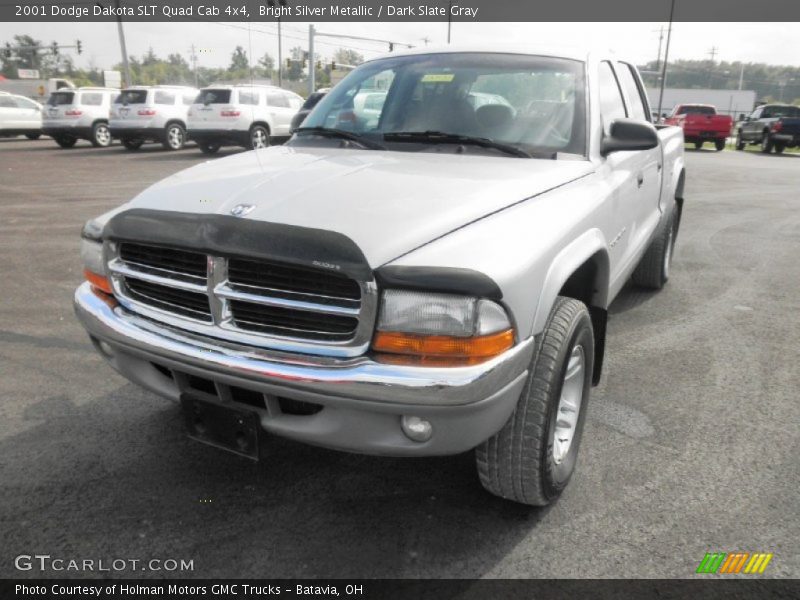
(243,115)
(76,114)
(152,114)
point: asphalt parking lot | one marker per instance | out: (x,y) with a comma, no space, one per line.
(690,446)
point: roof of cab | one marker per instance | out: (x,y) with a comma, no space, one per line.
(554,51)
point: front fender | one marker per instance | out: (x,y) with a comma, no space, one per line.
(591,245)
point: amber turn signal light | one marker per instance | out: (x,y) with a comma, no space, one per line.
(443,346)
(98,281)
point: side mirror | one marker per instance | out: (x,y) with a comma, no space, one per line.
(742,117)
(629,134)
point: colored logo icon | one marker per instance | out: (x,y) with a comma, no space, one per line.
(734,562)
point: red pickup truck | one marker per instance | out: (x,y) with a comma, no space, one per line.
(701,123)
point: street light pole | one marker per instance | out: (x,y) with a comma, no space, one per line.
(311,70)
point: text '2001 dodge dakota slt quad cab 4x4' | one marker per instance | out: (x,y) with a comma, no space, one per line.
(426,278)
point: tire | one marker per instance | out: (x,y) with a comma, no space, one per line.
(652,272)
(66,141)
(259,137)
(101,135)
(523,462)
(739,141)
(209,147)
(779,148)
(766,143)
(719,145)
(698,145)
(33,136)
(174,137)
(132,143)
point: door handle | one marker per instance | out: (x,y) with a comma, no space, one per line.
(639,180)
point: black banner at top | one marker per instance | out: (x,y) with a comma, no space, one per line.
(399,10)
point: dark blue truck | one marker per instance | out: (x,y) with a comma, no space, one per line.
(773,126)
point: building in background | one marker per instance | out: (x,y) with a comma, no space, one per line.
(728,102)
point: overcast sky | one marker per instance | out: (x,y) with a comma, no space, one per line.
(775,43)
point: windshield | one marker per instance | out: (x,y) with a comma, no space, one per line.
(696,110)
(132,97)
(60,98)
(530,102)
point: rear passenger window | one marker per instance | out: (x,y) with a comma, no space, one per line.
(277,99)
(626,78)
(611,104)
(162,97)
(92,99)
(214,97)
(7,102)
(246,97)
(188,98)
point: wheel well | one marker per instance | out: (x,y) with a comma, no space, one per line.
(101,120)
(679,198)
(589,284)
(264,125)
(178,121)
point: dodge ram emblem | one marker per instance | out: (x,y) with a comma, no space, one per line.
(241,210)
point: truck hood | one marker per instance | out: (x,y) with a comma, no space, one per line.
(388,203)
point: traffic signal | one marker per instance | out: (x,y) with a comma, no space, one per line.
(288,63)
(7,51)
(54,49)
(333,65)
(79,46)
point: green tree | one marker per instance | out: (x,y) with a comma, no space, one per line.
(345,56)
(239,60)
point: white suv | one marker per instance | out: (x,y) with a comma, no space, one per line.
(20,116)
(244,115)
(152,113)
(81,113)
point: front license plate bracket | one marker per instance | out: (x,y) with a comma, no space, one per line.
(230,428)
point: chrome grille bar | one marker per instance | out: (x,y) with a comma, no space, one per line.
(285,313)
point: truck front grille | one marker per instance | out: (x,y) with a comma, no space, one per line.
(242,299)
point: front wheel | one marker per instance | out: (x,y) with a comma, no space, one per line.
(766,143)
(101,135)
(739,141)
(779,148)
(66,141)
(533,457)
(174,137)
(132,143)
(209,147)
(719,144)
(259,137)
(698,145)
(33,136)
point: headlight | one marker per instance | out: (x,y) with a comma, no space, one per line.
(94,268)
(433,327)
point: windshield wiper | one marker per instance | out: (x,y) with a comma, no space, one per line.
(440,137)
(342,135)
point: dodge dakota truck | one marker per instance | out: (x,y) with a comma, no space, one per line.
(427,276)
(772,126)
(700,124)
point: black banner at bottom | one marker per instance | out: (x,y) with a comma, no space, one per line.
(369,589)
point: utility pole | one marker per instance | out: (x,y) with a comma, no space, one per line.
(741,76)
(194,66)
(666,60)
(311,68)
(124,50)
(280,56)
(426,39)
(660,39)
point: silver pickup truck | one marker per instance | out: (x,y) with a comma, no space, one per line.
(423,269)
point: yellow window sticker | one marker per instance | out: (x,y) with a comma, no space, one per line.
(438,77)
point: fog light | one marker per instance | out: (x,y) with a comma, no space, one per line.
(105,349)
(416,429)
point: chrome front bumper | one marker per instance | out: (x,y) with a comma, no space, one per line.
(362,399)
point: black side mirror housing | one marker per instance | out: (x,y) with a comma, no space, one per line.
(629,134)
